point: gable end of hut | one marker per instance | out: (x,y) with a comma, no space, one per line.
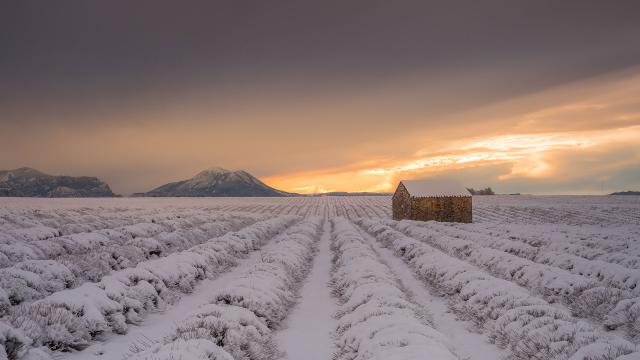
(401,203)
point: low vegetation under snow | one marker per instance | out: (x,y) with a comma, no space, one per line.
(534,277)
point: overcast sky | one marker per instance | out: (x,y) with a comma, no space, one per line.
(523,96)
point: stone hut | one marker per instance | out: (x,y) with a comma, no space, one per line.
(430,199)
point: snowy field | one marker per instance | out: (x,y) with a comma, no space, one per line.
(534,277)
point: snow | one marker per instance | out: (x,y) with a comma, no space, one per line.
(527,325)
(467,340)
(434,188)
(318,277)
(12,342)
(88,311)
(376,319)
(306,333)
(194,349)
(241,316)
(591,288)
(159,325)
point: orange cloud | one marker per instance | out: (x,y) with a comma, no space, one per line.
(526,139)
(524,152)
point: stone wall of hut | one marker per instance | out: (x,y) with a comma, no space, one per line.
(401,204)
(449,209)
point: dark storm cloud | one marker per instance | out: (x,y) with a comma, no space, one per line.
(114,52)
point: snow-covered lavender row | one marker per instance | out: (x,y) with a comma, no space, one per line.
(48,243)
(551,282)
(507,245)
(95,264)
(585,296)
(239,321)
(42,239)
(580,250)
(376,318)
(613,275)
(34,279)
(17,250)
(530,327)
(69,319)
(30,280)
(81,219)
(30,224)
(605,292)
(617,245)
(573,210)
(605,247)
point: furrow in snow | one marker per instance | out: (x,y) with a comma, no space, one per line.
(528,326)
(307,330)
(465,338)
(239,321)
(124,297)
(376,317)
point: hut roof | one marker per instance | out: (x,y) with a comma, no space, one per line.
(434,188)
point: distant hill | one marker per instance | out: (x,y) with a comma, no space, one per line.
(345,193)
(626,193)
(28,182)
(217,182)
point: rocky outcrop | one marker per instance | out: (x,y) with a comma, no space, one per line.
(28,182)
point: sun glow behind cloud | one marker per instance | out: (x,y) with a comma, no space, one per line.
(491,150)
(589,134)
(525,153)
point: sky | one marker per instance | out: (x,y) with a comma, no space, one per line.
(538,97)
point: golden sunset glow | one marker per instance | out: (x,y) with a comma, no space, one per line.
(527,155)
(535,155)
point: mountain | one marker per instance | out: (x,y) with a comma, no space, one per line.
(626,193)
(217,182)
(28,182)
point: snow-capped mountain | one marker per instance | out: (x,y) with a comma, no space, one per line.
(28,182)
(217,181)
